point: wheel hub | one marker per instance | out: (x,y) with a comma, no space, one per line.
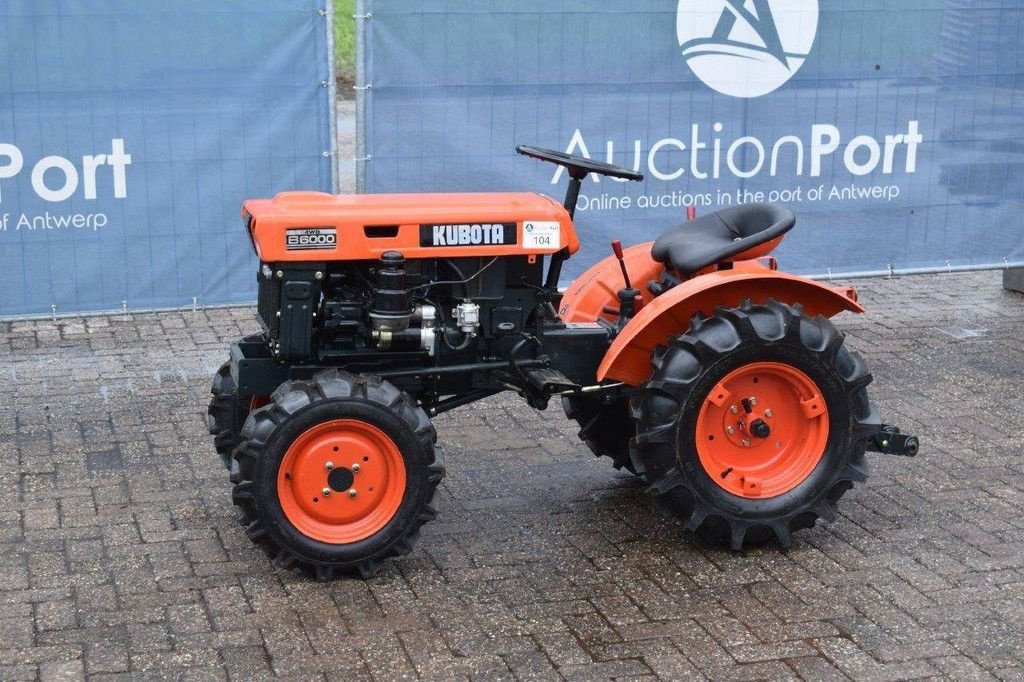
(349,457)
(762,430)
(340,480)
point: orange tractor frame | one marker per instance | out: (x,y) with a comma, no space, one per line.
(690,361)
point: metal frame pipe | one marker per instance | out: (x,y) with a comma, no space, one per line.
(362,19)
(332,95)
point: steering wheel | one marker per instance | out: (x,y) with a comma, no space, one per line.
(579,166)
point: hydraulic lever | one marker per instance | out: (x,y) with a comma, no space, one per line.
(617,250)
(630,299)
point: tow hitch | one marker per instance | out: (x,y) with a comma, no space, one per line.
(890,441)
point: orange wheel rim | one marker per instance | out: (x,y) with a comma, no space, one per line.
(762,430)
(341,481)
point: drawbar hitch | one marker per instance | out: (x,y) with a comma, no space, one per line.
(890,441)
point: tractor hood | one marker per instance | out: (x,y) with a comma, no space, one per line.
(315,226)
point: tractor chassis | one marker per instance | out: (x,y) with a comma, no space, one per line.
(572,351)
(557,361)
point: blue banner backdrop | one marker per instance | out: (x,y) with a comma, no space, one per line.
(130,134)
(894,130)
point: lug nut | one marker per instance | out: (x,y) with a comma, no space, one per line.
(329,466)
(746,443)
(768,413)
(326,492)
(734,409)
(753,400)
(730,430)
(355,468)
(351,492)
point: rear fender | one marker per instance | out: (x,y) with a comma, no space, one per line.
(629,357)
(594,294)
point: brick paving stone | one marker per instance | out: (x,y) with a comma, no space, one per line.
(120,556)
(54,671)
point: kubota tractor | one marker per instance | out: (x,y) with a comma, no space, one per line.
(690,361)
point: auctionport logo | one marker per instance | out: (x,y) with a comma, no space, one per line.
(746,48)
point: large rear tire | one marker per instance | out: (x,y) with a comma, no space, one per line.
(606,428)
(336,474)
(753,424)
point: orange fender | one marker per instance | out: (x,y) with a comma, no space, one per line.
(629,357)
(586,299)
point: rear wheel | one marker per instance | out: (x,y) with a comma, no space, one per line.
(606,428)
(336,474)
(754,423)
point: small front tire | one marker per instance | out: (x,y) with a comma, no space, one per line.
(336,474)
(228,411)
(226,414)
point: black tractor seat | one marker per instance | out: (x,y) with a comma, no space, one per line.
(717,237)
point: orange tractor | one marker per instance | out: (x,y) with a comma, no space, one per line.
(690,361)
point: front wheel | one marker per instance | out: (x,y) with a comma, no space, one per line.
(228,410)
(226,414)
(754,423)
(336,474)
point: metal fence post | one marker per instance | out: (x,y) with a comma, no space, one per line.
(332,95)
(362,20)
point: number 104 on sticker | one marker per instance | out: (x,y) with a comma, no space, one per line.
(542,234)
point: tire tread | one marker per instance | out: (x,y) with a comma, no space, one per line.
(287,401)
(707,341)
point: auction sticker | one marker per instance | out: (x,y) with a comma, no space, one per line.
(542,234)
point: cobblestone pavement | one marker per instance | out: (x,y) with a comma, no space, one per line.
(119,553)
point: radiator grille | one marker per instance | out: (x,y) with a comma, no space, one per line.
(268,304)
